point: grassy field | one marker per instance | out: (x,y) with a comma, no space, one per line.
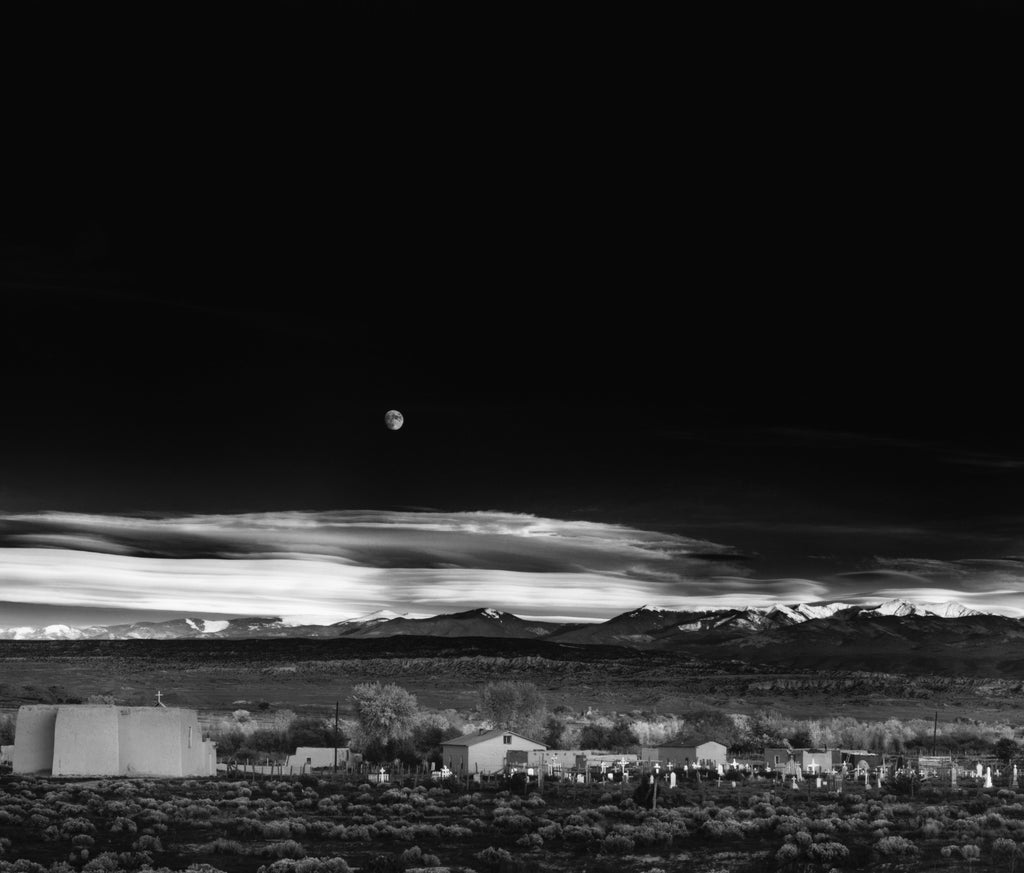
(310,675)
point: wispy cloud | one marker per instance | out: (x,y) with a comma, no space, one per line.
(326,566)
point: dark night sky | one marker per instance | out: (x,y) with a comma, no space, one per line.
(766,308)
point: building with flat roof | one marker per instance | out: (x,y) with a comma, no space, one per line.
(103,740)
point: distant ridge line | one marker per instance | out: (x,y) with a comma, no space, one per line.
(644,626)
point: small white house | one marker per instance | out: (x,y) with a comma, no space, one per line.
(694,752)
(307,758)
(485,751)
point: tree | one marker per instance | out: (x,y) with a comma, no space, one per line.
(429,732)
(716,725)
(313,731)
(514,706)
(385,712)
(1006,749)
(615,738)
(554,729)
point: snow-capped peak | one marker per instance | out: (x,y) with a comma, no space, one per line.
(212,627)
(377,617)
(820,610)
(951,609)
(490,613)
(899,607)
(206,626)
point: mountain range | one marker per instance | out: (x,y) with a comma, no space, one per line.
(646,627)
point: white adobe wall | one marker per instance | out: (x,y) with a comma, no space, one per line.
(489,756)
(712,751)
(319,756)
(6,754)
(85,741)
(195,751)
(33,738)
(150,741)
(103,740)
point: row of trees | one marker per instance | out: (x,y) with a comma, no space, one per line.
(388,724)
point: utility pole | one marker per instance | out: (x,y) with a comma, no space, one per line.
(335,738)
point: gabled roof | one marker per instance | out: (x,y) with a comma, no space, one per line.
(473,739)
(685,742)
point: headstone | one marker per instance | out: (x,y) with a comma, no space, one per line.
(979,773)
(818,783)
(672,779)
(794,783)
(988,777)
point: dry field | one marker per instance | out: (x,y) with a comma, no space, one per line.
(308,825)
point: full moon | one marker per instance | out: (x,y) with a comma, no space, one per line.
(394,419)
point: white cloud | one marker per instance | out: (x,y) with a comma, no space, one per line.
(329,566)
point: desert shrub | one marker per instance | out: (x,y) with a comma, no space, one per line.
(147,842)
(514,824)
(581,834)
(455,832)
(307,865)
(787,853)
(551,831)
(828,853)
(222,846)
(492,857)
(1006,852)
(121,823)
(105,862)
(719,829)
(21,866)
(350,833)
(895,847)
(279,829)
(970,853)
(415,857)
(283,849)
(385,864)
(617,844)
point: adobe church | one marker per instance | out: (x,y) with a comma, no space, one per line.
(104,740)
